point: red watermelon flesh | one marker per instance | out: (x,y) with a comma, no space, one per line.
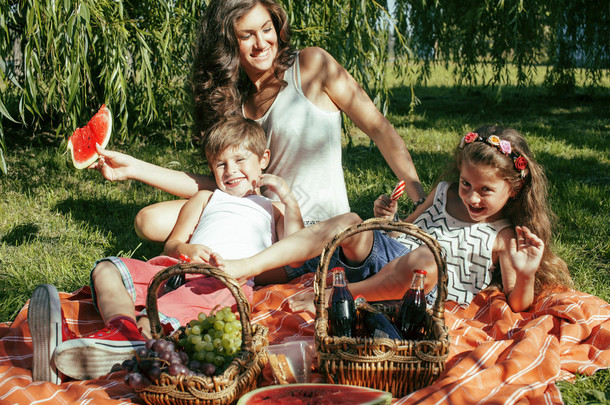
(315,394)
(82,142)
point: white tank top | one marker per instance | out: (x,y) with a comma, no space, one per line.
(305,145)
(236,227)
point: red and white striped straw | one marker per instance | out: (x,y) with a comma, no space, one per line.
(398,190)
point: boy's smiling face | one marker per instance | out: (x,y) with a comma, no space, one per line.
(237,170)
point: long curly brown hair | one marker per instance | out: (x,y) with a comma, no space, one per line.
(219,84)
(529,207)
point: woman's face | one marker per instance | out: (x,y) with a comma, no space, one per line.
(257,40)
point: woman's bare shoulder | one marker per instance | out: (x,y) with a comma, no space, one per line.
(315,59)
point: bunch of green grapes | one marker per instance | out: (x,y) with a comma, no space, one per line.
(212,340)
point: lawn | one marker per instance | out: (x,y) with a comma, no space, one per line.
(55,221)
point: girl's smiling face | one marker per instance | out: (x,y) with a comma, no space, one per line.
(483,192)
(257,40)
(237,170)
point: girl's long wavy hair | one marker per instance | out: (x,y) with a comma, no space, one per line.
(219,84)
(529,207)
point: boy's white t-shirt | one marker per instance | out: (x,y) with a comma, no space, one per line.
(236,227)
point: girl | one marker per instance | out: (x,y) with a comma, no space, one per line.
(491,214)
(244,64)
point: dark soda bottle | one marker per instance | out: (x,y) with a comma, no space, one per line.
(411,315)
(176,281)
(376,322)
(341,309)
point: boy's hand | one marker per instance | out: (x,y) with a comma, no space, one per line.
(384,207)
(216,260)
(526,252)
(197,253)
(277,185)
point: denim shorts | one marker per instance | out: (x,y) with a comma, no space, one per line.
(384,250)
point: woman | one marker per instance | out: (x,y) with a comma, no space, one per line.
(244,64)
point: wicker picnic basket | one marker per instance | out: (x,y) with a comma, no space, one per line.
(240,376)
(397,366)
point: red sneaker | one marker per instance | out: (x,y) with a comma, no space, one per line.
(49,329)
(94,355)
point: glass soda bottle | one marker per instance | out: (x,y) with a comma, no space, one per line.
(411,315)
(376,322)
(176,281)
(341,309)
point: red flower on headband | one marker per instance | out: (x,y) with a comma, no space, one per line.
(520,163)
(470,137)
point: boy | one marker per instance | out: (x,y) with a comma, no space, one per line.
(233,221)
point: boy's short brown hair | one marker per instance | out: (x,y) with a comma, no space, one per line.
(231,132)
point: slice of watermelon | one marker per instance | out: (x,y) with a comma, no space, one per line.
(315,394)
(82,142)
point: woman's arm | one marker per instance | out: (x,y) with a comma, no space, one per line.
(116,166)
(177,244)
(322,76)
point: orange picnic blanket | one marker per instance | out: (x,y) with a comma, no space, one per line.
(495,356)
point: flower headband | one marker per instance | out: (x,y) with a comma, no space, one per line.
(503,146)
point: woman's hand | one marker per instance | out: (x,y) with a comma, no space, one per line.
(384,207)
(114,166)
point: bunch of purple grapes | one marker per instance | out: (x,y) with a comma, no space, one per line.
(157,357)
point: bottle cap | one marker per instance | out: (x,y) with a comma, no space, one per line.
(337,269)
(419,271)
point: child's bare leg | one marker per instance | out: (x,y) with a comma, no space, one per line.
(390,283)
(93,355)
(112,298)
(298,247)
(393,280)
(357,248)
(155,222)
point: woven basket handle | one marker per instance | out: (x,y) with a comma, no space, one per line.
(243,305)
(438,309)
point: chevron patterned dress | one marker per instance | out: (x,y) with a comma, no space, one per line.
(468,247)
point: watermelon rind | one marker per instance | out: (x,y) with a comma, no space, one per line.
(383,397)
(81,147)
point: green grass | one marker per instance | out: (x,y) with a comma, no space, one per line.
(56,221)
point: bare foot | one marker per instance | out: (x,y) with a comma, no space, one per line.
(305,301)
(302,302)
(239,269)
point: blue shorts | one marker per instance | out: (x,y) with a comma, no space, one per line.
(384,250)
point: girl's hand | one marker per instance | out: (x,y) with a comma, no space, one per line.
(385,208)
(526,252)
(114,166)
